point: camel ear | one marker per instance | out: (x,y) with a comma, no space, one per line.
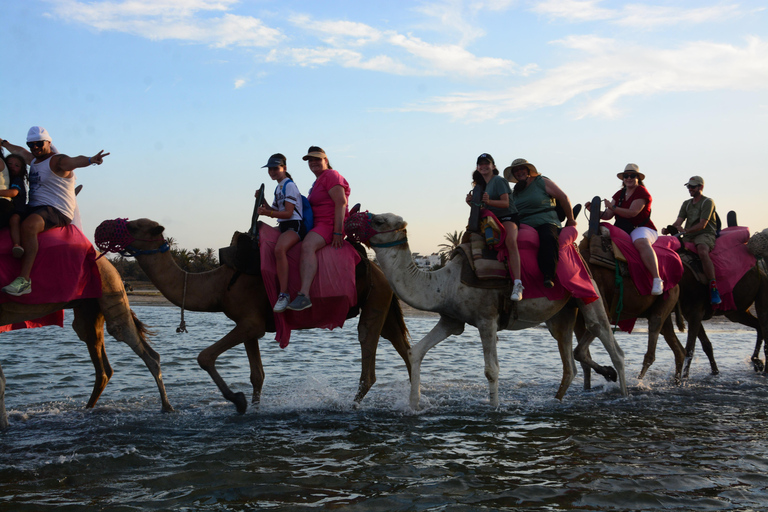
(157,230)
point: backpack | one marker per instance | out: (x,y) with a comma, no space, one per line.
(306,209)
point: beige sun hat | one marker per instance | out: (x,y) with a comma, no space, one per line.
(631,168)
(314,152)
(519,162)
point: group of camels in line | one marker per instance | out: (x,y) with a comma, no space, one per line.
(242,297)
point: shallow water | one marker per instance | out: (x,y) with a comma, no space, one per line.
(699,446)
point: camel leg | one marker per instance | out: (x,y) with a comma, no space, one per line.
(393,328)
(207,361)
(257,368)
(561,328)
(445,327)
(490,339)
(369,326)
(584,337)
(668,331)
(89,326)
(596,321)
(694,318)
(132,332)
(3,413)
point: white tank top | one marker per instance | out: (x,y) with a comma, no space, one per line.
(46,188)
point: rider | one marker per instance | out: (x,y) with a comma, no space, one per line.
(535,197)
(632,208)
(52,200)
(700,228)
(497,198)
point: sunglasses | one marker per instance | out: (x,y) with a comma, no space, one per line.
(691,187)
(36,144)
(630,176)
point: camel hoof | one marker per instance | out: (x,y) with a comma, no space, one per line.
(610,374)
(241,403)
(758,365)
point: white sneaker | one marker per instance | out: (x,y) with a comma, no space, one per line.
(517,291)
(658,287)
(282,302)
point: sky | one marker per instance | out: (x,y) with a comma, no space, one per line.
(191,97)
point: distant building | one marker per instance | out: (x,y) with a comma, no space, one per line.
(426,262)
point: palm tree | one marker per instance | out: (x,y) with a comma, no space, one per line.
(454,240)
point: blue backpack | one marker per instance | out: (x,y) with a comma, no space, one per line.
(306,209)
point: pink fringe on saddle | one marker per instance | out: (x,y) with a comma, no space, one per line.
(731,260)
(333,291)
(65,269)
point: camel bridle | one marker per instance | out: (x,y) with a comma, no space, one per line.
(358,228)
(114,236)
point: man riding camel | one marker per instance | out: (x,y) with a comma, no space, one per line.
(700,229)
(52,200)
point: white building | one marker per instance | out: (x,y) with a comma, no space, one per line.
(426,262)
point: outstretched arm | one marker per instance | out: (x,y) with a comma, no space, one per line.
(64,165)
(17,150)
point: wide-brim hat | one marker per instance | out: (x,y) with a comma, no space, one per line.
(314,152)
(631,168)
(516,164)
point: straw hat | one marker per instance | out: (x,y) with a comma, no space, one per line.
(516,164)
(631,168)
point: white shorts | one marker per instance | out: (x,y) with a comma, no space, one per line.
(651,234)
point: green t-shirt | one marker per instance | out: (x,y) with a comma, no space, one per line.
(694,212)
(495,188)
(535,206)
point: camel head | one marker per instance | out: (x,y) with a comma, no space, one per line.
(138,236)
(385,228)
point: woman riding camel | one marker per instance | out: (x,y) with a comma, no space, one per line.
(497,198)
(535,197)
(328,196)
(286,208)
(632,208)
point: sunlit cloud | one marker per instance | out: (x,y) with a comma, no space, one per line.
(635,15)
(167,19)
(611,72)
(239,83)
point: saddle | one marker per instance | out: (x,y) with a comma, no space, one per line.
(604,252)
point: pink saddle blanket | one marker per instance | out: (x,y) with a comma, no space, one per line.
(65,269)
(572,276)
(670,265)
(333,291)
(731,260)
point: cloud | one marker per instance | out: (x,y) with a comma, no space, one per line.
(635,15)
(172,19)
(240,82)
(611,71)
(314,57)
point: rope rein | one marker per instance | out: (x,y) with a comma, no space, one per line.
(183,325)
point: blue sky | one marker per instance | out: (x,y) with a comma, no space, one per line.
(192,96)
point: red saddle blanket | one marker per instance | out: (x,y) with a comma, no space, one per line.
(670,265)
(65,269)
(333,291)
(731,260)
(572,275)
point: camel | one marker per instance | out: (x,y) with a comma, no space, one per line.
(442,292)
(243,298)
(694,303)
(657,309)
(90,316)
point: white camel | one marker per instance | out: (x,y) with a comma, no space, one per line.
(442,291)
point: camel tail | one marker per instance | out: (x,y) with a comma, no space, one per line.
(141,328)
(679,321)
(394,325)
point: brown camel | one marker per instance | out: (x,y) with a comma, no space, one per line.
(90,317)
(657,309)
(243,298)
(695,306)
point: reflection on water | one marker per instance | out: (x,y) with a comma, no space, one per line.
(700,446)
